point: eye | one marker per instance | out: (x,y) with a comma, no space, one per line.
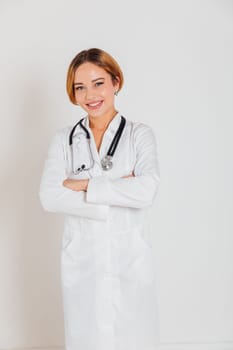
(99,83)
(78,87)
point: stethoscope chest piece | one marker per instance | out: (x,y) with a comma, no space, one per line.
(107,163)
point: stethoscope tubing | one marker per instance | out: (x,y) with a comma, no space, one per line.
(111,149)
(74,128)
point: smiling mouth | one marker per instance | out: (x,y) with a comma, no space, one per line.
(94,104)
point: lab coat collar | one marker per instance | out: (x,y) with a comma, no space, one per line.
(108,136)
(112,126)
(111,129)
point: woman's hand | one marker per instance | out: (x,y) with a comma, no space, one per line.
(76,185)
(131,175)
(81,185)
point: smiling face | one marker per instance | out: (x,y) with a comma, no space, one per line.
(94,90)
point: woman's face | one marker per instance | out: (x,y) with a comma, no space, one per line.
(94,89)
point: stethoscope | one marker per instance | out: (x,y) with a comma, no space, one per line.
(106,162)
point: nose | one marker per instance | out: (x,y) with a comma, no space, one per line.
(89,94)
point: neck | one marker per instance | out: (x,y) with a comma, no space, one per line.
(101,123)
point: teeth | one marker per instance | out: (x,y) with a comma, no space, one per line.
(94,104)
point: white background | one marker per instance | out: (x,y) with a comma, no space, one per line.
(177,60)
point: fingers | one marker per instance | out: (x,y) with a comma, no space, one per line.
(131,175)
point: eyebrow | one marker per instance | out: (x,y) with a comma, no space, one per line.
(92,81)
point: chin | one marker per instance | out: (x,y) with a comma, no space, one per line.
(97,114)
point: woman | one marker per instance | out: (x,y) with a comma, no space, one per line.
(103,174)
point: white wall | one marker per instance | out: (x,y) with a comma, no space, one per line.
(177,58)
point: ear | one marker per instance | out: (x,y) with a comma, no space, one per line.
(116,82)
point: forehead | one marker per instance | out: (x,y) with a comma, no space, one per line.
(89,71)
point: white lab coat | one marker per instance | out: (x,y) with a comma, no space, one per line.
(107,266)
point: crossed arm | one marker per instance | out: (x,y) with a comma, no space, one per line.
(82,185)
(91,198)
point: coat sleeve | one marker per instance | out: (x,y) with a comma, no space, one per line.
(55,197)
(135,192)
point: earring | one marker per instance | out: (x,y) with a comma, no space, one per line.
(115,93)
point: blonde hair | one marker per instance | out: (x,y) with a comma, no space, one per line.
(98,57)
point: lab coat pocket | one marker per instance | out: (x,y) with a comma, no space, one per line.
(71,242)
(67,238)
(83,175)
(143,237)
(136,259)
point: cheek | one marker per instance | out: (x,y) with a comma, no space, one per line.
(78,96)
(108,92)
